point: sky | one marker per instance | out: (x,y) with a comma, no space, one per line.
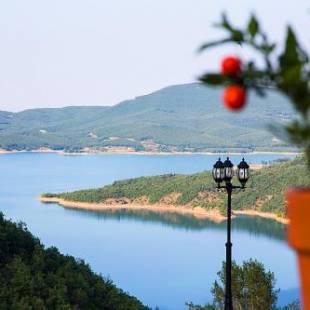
(57,53)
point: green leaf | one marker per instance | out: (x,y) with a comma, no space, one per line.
(291,55)
(268,48)
(253,26)
(225,23)
(213,79)
(213,44)
(237,36)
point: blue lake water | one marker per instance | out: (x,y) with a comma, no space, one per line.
(164,260)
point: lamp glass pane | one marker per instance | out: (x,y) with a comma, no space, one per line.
(217,175)
(242,174)
(228,172)
(214,173)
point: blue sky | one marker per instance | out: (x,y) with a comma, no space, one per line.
(96,52)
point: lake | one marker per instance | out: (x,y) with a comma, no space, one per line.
(164,260)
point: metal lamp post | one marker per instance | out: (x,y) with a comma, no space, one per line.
(223,172)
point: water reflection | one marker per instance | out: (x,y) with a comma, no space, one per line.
(253,225)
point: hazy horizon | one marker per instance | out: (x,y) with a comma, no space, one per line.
(102,105)
(73,53)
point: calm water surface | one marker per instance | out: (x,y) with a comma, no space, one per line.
(164,260)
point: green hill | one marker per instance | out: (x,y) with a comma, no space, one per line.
(32,277)
(265,190)
(183,117)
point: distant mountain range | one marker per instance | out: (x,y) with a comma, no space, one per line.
(187,117)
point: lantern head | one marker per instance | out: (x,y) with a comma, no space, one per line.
(218,172)
(228,170)
(243,172)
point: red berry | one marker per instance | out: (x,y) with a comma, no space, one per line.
(234,97)
(231,66)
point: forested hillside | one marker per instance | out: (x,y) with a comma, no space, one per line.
(32,277)
(177,118)
(265,189)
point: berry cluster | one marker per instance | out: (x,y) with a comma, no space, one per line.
(234,96)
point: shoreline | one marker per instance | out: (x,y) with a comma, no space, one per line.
(151,153)
(266,215)
(198,212)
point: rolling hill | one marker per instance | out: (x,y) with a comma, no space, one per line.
(186,117)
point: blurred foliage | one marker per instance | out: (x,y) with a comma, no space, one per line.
(32,277)
(286,71)
(253,288)
(265,189)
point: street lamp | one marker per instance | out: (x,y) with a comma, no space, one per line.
(224,172)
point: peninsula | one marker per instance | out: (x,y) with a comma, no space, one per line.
(193,194)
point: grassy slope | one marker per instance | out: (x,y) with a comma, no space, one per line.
(265,190)
(186,116)
(32,277)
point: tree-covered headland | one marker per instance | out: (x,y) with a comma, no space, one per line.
(265,191)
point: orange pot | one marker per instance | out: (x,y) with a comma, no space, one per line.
(299,236)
